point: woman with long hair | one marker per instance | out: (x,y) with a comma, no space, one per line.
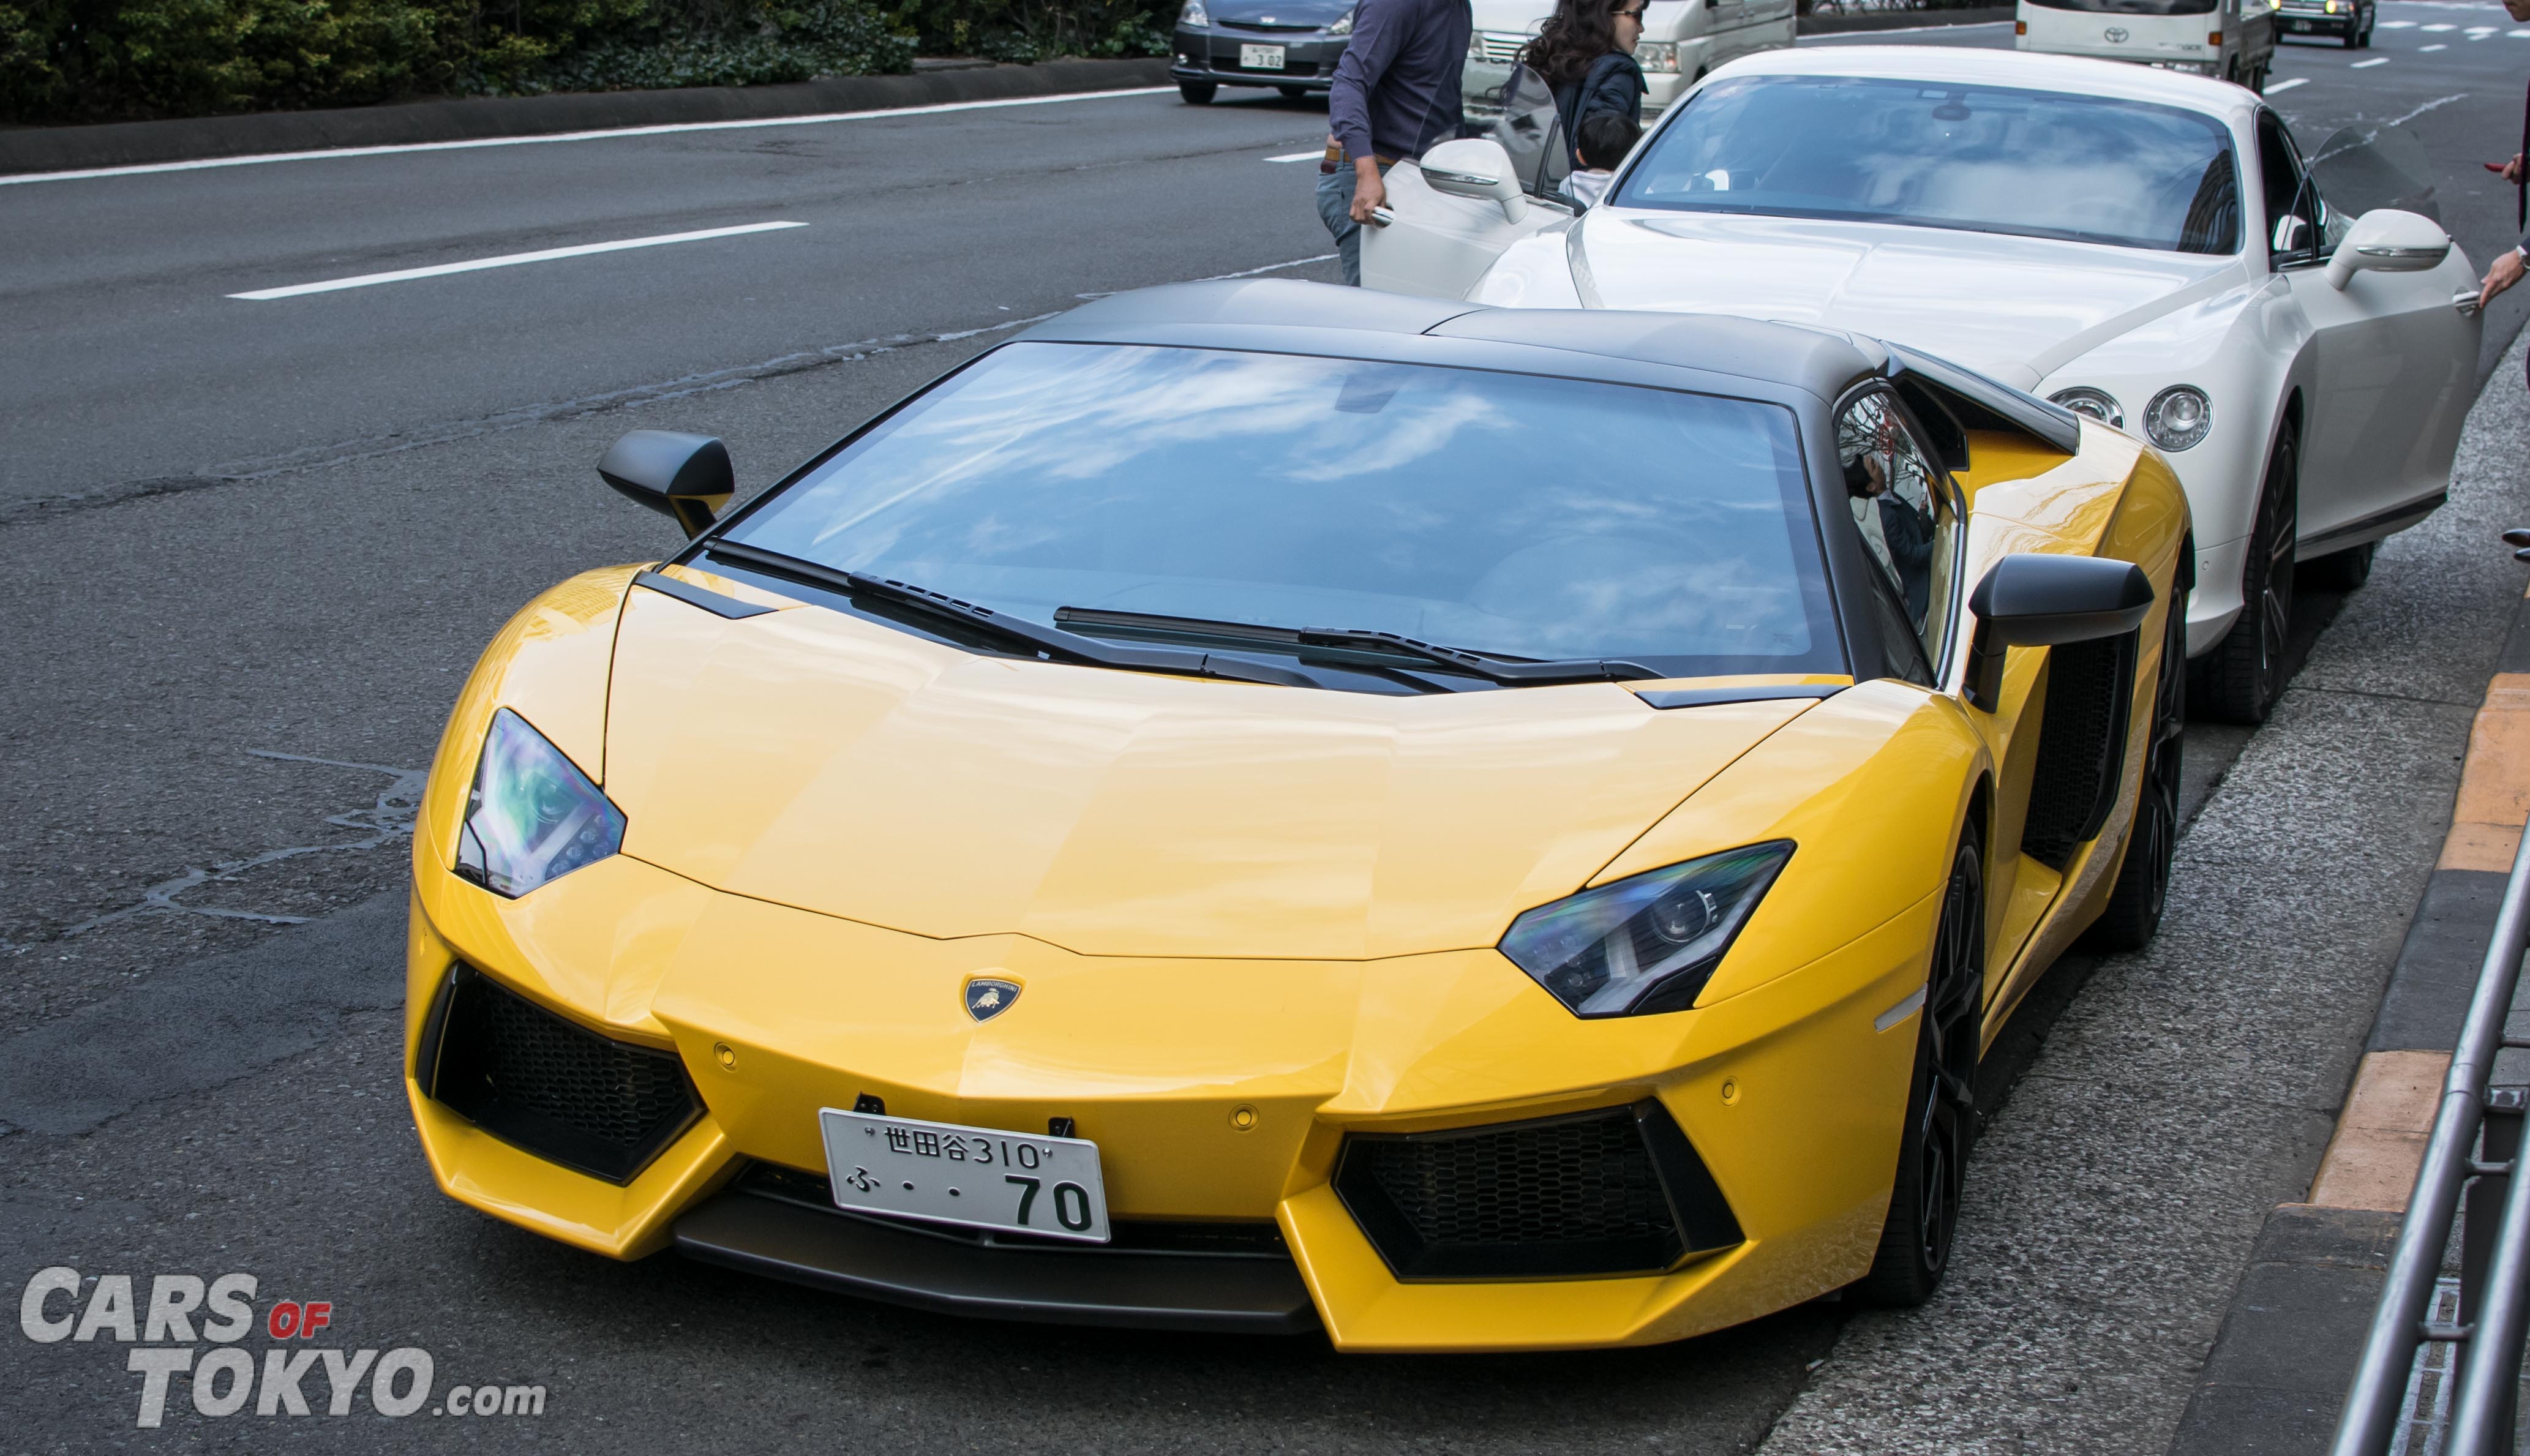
(1585,54)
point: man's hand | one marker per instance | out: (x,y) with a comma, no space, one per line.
(2519,10)
(2506,272)
(2512,169)
(1370,190)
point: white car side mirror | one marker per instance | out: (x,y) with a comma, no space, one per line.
(2390,240)
(1475,166)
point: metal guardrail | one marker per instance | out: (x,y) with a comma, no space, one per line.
(2495,1287)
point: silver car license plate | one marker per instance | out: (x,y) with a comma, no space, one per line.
(978,1177)
(1260,58)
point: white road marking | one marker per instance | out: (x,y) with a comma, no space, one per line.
(2368,65)
(1300,156)
(2442,26)
(506,260)
(2478,32)
(663,129)
(2425,49)
(2434,105)
(2287,84)
(2393,25)
(2518,34)
(1268,268)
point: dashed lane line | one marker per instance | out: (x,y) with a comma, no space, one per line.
(506,260)
(2368,65)
(2287,84)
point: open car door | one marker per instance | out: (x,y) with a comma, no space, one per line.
(2394,308)
(1449,215)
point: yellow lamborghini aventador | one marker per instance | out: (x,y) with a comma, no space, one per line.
(1263,806)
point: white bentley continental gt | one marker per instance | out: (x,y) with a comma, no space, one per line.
(2148,248)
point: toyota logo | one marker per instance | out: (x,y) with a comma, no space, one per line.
(2114,34)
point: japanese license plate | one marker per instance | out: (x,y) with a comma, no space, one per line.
(1260,58)
(979,1177)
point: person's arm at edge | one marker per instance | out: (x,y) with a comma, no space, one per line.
(1376,36)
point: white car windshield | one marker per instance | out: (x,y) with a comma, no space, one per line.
(1987,159)
(1511,515)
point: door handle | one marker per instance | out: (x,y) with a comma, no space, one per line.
(2465,301)
(1380,217)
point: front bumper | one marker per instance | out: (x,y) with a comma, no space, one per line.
(1308,58)
(2316,23)
(1221,1094)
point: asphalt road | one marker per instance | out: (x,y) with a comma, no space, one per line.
(256,544)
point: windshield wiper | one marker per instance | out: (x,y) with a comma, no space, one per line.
(1017,632)
(1508,673)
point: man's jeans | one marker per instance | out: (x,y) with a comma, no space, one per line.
(1334,209)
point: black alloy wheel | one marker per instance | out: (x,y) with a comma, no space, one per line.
(2354,34)
(2135,902)
(2339,571)
(1197,92)
(2239,680)
(1940,1105)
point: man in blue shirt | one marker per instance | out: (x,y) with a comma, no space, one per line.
(1395,93)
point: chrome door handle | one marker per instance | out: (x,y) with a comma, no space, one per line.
(2465,301)
(1380,217)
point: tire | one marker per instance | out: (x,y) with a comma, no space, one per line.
(1198,92)
(2339,571)
(2239,680)
(1294,93)
(1941,1104)
(2370,21)
(2258,79)
(2135,903)
(2354,37)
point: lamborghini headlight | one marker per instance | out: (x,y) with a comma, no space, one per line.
(1343,27)
(2179,416)
(532,816)
(1657,56)
(1647,942)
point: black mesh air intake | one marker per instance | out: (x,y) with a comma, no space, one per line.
(551,1086)
(1612,1192)
(2082,748)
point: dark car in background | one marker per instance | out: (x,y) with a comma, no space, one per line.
(2349,20)
(1291,45)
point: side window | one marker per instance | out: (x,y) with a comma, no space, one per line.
(1907,513)
(2293,208)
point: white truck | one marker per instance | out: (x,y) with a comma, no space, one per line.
(2228,39)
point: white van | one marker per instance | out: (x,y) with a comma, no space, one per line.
(2230,39)
(1681,40)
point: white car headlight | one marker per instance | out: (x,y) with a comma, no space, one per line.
(533,816)
(1194,15)
(2178,417)
(1343,27)
(2098,403)
(1657,55)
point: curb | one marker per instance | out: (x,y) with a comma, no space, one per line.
(34,150)
(1904,20)
(2277,1372)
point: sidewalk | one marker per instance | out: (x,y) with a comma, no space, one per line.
(2190,1090)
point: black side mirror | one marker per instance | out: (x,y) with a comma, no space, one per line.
(2033,599)
(683,477)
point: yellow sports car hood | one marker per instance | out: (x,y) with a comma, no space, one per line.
(816,760)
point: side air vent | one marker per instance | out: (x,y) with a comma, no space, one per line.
(2082,748)
(551,1086)
(1612,1192)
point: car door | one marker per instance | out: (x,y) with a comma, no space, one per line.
(2393,354)
(1435,244)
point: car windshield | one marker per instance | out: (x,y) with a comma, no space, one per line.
(1987,159)
(1511,515)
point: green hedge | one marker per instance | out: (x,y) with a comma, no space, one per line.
(110,60)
